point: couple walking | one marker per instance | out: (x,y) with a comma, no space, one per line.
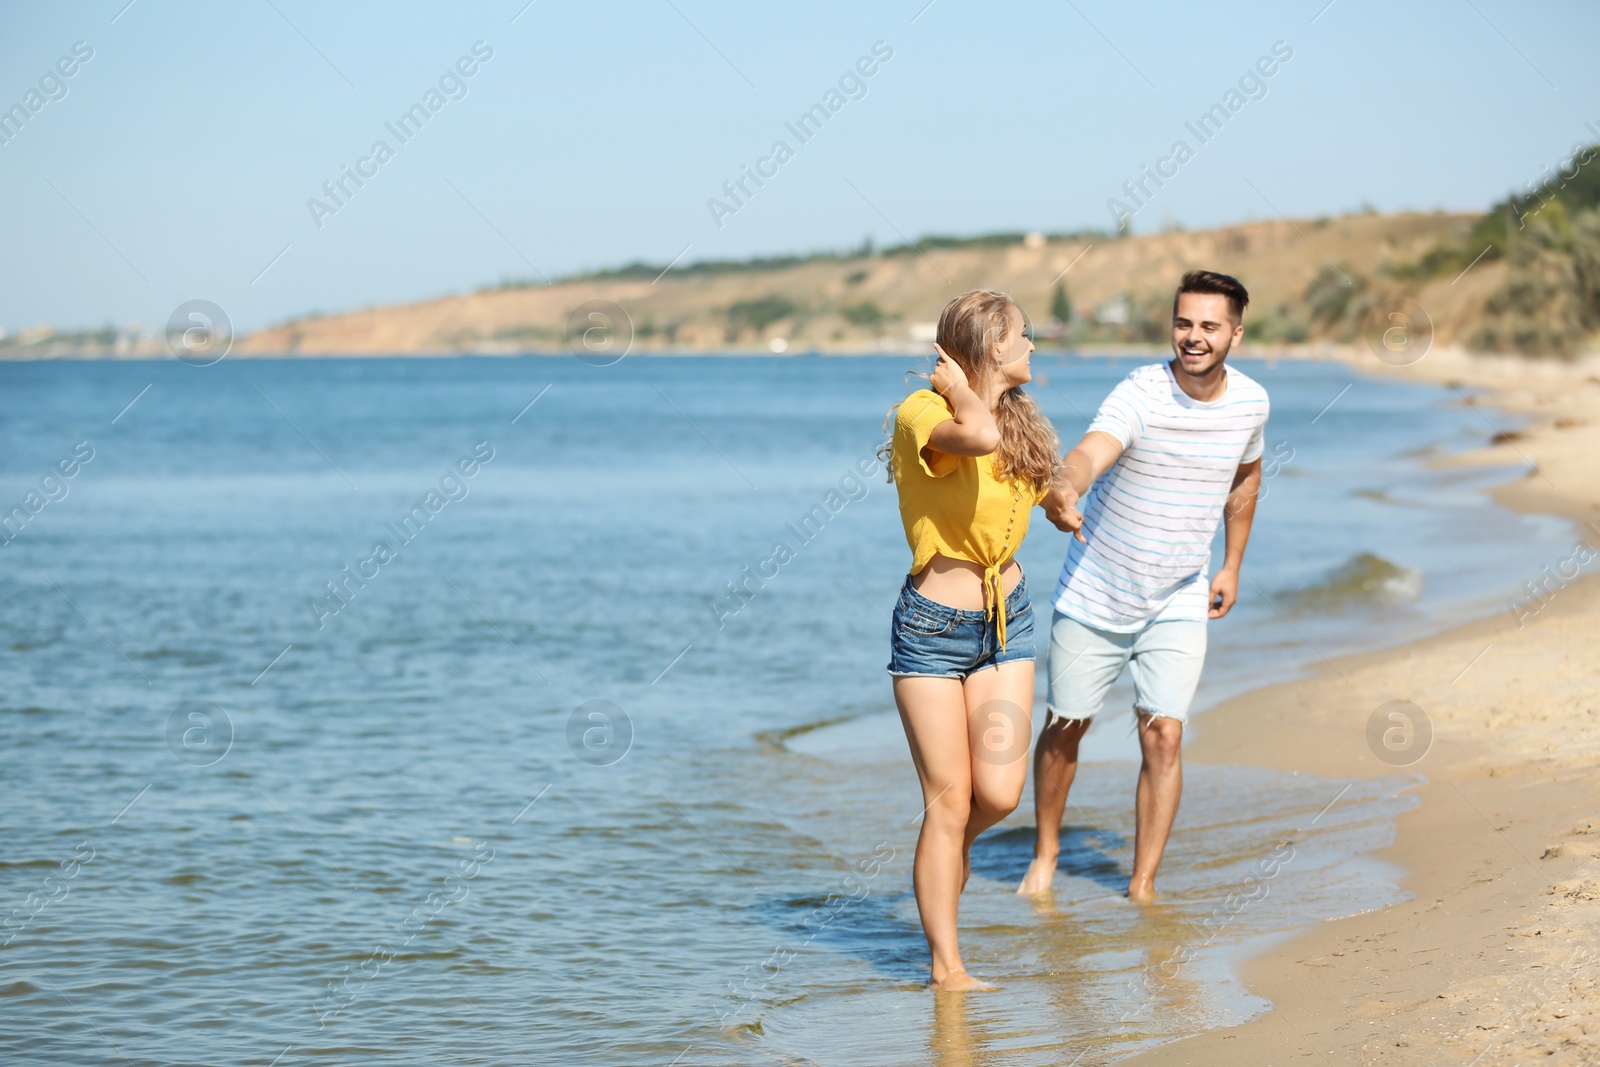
(1174,449)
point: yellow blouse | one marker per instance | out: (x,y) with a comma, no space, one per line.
(955,506)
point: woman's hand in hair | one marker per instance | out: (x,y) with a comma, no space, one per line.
(973,431)
(947,374)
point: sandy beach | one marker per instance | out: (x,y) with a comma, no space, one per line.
(1494,959)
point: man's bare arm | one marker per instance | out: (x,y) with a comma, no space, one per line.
(1237,516)
(1091,458)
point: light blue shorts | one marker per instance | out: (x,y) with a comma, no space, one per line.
(1165,658)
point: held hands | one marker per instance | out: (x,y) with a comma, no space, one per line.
(1061,508)
(1224,592)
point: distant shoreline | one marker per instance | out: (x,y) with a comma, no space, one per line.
(1366,276)
(1312,352)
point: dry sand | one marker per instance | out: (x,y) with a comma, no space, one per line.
(1496,959)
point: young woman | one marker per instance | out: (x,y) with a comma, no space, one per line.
(970,458)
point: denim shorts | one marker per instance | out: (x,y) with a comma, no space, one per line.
(932,640)
(1164,658)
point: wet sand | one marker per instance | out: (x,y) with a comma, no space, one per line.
(1496,959)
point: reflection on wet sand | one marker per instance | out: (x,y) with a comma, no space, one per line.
(955,1043)
(1085,975)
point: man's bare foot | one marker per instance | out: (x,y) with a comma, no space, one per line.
(1142,891)
(1041,872)
(960,982)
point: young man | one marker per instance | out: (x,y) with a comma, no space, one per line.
(1174,449)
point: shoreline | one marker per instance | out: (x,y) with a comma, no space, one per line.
(904,351)
(1493,959)
(1310,351)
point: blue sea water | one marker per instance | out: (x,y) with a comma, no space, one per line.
(536,786)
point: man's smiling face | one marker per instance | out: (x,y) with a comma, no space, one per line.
(1204,329)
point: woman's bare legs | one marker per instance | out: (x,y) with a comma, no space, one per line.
(934,713)
(999,727)
(963,739)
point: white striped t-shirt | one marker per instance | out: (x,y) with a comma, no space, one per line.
(1148,521)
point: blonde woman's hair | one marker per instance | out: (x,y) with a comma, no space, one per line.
(972,328)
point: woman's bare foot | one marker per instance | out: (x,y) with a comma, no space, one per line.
(1041,872)
(1142,891)
(960,982)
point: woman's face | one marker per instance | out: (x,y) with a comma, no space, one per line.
(1011,356)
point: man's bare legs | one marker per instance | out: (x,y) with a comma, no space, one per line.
(966,786)
(1055,764)
(1160,787)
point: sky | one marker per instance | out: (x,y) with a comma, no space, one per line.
(179,161)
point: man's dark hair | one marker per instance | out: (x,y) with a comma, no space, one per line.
(1209,281)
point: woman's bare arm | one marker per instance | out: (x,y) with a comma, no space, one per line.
(973,431)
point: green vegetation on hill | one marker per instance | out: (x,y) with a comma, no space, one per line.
(943,242)
(1549,239)
(758,314)
(1496,234)
(866,313)
(641,270)
(1550,304)
(1060,306)
(1560,196)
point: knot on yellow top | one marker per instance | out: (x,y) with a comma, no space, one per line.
(994,593)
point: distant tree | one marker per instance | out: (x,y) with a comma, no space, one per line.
(1060,306)
(759,313)
(1337,300)
(865,313)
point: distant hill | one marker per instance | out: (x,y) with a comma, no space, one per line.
(1522,277)
(1310,280)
